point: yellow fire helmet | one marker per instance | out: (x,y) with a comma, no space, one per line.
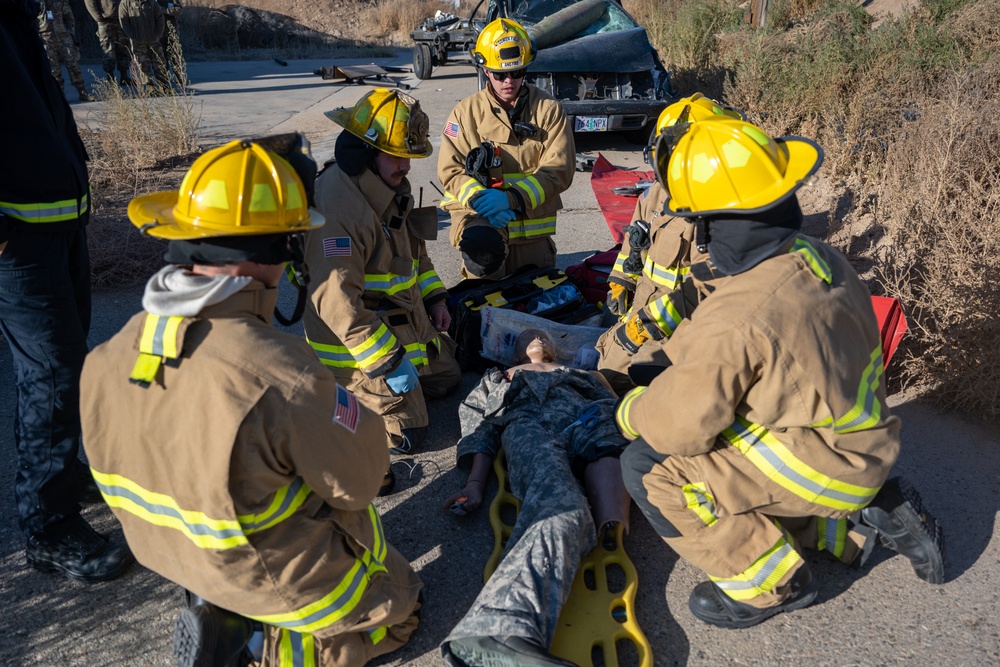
(239,189)
(502,46)
(715,167)
(694,108)
(389,120)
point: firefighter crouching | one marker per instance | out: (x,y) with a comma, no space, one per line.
(377,310)
(769,431)
(504,223)
(648,284)
(219,441)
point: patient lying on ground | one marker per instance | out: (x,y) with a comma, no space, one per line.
(568,479)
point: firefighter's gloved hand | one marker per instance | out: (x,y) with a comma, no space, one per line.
(490,203)
(631,335)
(501,219)
(619,298)
(402,378)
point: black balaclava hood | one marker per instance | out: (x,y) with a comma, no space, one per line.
(738,244)
(353,154)
(262,249)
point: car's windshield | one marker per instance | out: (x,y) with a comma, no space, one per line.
(529,12)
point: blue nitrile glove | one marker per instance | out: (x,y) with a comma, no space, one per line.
(402,378)
(490,203)
(501,219)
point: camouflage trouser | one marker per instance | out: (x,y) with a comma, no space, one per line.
(113,44)
(554,531)
(151,63)
(62,49)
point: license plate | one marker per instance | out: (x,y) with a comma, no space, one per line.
(591,124)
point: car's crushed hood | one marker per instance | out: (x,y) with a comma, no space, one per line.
(617,51)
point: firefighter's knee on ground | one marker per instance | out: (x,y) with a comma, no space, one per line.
(483,250)
(637,460)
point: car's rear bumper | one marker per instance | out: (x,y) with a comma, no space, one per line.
(622,114)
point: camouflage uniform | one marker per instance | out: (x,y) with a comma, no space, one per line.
(58,29)
(170,42)
(142,22)
(554,528)
(111,38)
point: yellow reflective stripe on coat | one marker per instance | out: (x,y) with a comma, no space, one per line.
(428,282)
(667,276)
(344,598)
(621,414)
(390,283)
(665,314)
(867,410)
(471,188)
(525,229)
(815,261)
(378,634)
(832,535)
(777,462)
(157,342)
(286,501)
(159,335)
(374,349)
(417,354)
(296,649)
(700,501)
(530,186)
(763,575)
(162,510)
(42,212)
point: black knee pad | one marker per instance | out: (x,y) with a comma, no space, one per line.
(637,460)
(483,250)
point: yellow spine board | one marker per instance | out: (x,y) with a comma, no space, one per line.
(594,617)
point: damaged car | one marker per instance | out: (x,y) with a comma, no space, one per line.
(595,59)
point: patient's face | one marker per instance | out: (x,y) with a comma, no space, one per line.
(534,345)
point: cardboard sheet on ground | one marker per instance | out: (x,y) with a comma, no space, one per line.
(598,620)
(501,326)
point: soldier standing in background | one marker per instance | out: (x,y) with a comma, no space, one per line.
(142,23)
(109,34)
(58,29)
(170,41)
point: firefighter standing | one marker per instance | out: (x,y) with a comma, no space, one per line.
(647,284)
(505,220)
(377,308)
(783,439)
(45,304)
(245,501)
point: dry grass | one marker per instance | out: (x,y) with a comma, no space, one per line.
(909,117)
(139,141)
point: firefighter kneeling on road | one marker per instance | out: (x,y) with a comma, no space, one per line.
(237,466)
(503,223)
(769,431)
(377,309)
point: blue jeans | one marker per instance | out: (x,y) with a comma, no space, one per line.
(45,317)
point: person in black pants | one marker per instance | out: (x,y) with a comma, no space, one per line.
(45,304)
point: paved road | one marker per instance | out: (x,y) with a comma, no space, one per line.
(882,615)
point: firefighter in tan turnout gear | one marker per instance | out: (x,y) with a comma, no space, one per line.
(769,431)
(647,284)
(237,466)
(507,153)
(377,309)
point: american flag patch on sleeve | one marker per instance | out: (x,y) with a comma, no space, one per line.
(346,413)
(337,246)
(451,129)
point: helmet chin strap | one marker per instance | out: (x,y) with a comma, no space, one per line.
(298,275)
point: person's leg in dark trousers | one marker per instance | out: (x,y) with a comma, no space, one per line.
(45,315)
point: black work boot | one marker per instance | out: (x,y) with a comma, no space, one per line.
(79,552)
(209,636)
(499,652)
(711,605)
(388,483)
(412,439)
(903,525)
